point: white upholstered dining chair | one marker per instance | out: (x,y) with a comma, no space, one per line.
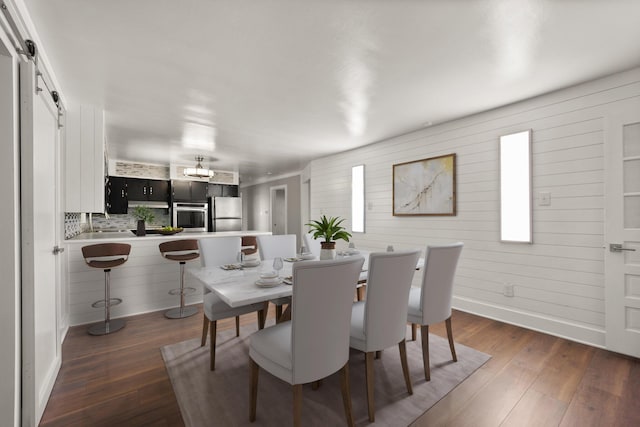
(312,345)
(431,303)
(217,251)
(380,321)
(273,246)
(312,244)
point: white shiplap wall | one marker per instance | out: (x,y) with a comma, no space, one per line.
(559,281)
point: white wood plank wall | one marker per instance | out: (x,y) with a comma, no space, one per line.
(558,280)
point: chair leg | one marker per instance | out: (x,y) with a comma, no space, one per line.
(359,293)
(379,354)
(260,314)
(316,384)
(297,405)
(253,393)
(346,393)
(237,326)
(368,367)
(212,340)
(414,329)
(450,336)
(402,346)
(424,332)
(205,329)
(278,313)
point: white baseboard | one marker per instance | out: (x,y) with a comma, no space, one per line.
(571,331)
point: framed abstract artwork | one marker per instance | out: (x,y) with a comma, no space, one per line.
(425,187)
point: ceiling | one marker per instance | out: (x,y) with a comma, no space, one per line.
(262,87)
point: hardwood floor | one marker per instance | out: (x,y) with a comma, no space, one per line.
(532,379)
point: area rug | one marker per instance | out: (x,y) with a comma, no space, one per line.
(221,398)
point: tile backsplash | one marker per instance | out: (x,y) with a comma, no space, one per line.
(128,221)
(74,223)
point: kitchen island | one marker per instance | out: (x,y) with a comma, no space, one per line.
(143,282)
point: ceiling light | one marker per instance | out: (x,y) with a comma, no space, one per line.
(198,171)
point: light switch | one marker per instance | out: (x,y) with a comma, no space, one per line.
(544,198)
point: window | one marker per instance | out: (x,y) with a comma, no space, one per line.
(357,199)
(515,187)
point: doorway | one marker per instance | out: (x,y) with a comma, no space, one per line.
(278,216)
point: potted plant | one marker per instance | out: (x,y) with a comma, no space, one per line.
(331,230)
(144,214)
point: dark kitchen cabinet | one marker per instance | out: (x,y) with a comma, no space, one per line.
(116,195)
(199,191)
(189,191)
(223,190)
(215,190)
(152,190)
(229,191)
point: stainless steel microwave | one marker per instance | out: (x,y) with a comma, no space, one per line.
(191,216)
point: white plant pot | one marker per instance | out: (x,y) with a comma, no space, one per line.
(327,254)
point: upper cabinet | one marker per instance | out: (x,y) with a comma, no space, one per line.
(84,159)
(152,190)
(117,200)
(188,191)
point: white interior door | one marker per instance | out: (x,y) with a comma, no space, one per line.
(41,344)
(622,262)
(278,209)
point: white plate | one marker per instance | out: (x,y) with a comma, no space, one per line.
(269,283)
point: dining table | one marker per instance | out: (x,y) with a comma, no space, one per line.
(238,284)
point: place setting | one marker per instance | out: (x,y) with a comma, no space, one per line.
(271,278)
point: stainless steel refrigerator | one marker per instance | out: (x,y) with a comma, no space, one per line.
(226,213)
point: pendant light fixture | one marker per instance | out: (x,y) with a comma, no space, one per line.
(198,171)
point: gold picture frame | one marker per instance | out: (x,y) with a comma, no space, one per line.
(425,187)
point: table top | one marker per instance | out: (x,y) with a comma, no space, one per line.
(237,287)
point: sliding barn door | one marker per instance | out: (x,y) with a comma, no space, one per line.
(41,225)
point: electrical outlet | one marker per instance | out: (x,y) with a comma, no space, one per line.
(544,198)
(508,290)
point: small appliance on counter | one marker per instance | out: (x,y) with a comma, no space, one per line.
(193,217)
(225,214)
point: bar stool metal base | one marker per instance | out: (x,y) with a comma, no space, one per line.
(180,312)
(105,328)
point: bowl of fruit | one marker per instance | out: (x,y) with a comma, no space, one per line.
(170,230)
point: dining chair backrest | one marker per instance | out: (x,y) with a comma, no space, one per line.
(320,342)
(312,244)
(388,284)
(437,282)
(281,245)
(216,251)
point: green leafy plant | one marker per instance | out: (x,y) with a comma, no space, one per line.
(143,213)
(329,228)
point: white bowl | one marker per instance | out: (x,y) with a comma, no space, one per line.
(307,256)
(266,275)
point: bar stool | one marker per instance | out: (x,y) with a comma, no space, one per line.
(109,255)
(250,245)
(181,251)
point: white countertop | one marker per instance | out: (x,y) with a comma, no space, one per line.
(126,236)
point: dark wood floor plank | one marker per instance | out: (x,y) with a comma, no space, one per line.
(564,370)
(536,409)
